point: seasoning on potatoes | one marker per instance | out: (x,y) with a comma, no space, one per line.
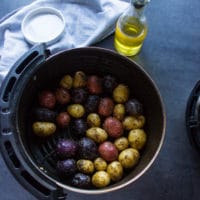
(108,151)
(91,104)
(79,95)
(129,157)
(85,166)
(93,120)
(63,119)
(97,134)
(44,114)
(115,170)
(137,138)
(131,122)
(80,79)
(121,93)
(66,82)
(43,129)
(100,179)
(134,107)
(119,111)
(94,84)
(81,180)
(113,127)
(62,96)
(106,106)
(121,143)
(100,164)
(76,110)
(47,99)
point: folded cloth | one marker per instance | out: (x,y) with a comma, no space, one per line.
(87,22)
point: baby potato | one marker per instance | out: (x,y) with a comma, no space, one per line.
(129,157)
(119,111)
(137,138)
(101,179)
(100,164)
(76,110)
(115,170)
(66,82)
(80,79)
(43,129)
(121,143)
(131,122)
(97,134)
(93,120)
(121,93)
(85,166)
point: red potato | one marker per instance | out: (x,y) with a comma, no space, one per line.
(47,99)
(62,96)
(108,151)
(106,106)
(113,127)
(63,119)
(94,84)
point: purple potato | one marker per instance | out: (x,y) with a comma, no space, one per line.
(67,148)
(44,114)
(91,104)
(79,127)
(81,180)
(109,83)
(79,95)
(66,167)
(133,107)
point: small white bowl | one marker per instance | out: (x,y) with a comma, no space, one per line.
(43,25)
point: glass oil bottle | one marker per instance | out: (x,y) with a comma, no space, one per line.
(131,29)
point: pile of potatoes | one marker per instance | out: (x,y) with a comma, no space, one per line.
(106,123)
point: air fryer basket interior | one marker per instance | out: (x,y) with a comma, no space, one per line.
(91,61)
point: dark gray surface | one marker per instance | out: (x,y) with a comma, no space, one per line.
(171,56)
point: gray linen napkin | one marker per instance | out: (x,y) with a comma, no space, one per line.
(87,22)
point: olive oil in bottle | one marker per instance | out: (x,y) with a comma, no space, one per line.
(131,29)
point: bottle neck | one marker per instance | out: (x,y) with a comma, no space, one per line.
(138,9)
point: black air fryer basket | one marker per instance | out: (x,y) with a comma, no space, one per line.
(32,162)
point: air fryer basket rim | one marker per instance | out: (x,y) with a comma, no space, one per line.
(130,62)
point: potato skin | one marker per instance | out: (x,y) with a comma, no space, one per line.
(63,119)
(47,99)
(121,93)
(80,79)
(94,84)
(76,110)
(43,129)
(93,120)
(113,127)
(129,157)
(100,179)
(62,96)
(100,164)
(97,134)
(131,122)
(106,106)
(66,82)
(119,111)
(85,166)
(137,138)
(121,143)
(115,170)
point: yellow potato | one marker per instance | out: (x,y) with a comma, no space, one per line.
(137,138)
(121,143)
(85,166)
(115,170)
(44,129)
(97,134)
(76,110)
(121,93)
(131,122)
(101,179)
(129,157)
(66,82)
(119,111)
(100,164)
(80,79)
(93,120)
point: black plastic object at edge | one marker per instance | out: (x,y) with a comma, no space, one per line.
(193,117)
(15,160)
